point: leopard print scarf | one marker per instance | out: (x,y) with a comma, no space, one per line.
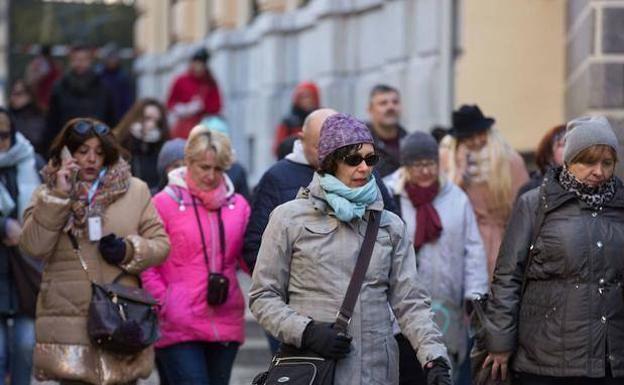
(594,197)
(114,184)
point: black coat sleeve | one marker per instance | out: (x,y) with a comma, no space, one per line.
(504,303)
(265,198)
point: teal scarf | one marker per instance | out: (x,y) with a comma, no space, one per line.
(348,203)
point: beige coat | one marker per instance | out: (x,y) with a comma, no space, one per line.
(63,350)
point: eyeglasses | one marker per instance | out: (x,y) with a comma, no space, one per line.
(356,159)
(83,127)
(420,165)
(5,135)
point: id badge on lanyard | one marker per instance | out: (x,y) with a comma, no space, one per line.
(94,223)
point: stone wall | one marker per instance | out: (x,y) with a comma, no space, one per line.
(595,61)
(345,46)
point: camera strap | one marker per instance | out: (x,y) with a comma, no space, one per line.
(201,233)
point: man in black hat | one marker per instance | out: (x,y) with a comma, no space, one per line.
(194,95)
(384,111)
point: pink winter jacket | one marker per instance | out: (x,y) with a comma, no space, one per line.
(180,284)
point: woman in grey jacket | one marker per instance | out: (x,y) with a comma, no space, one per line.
(567,327)
(307,257)
(450,256)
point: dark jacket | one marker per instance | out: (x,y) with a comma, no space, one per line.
(30,121)
(238,176)
(79,97)
(389,159)
(144,159)
(278,185)
(121,88)
(570,320)
(9,301)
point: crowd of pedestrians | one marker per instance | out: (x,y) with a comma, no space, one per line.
(97,188)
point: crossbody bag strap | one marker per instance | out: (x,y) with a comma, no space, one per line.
(201,233)
(84,265)
(343,318)
(78,254)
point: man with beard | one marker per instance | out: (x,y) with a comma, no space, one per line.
(79,93)
(384,110)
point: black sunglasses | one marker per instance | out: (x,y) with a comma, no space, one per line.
(355,159)
(83,127)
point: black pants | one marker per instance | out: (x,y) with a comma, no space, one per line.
(530,379)
(410,370)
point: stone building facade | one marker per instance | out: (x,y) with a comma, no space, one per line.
(531,64)
(595,61)
(345,46)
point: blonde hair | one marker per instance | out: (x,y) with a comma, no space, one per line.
(499,180)
(202,139)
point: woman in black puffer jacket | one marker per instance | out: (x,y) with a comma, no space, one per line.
(568,325)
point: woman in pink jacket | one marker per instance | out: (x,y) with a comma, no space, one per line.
(201,317)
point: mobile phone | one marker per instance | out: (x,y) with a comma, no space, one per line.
(66,155)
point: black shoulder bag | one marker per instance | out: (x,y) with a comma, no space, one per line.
(121,319)
(295,366)
(479,321)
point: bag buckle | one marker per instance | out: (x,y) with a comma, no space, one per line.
(343,318)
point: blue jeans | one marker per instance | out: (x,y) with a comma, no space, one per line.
(198,363)
(17,340)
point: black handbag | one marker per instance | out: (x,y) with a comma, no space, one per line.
(121,319)
(218,284)
(294,366)
(480,324)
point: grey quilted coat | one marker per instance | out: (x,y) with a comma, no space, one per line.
(303,269)
(570,320)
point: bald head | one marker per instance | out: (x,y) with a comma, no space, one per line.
(311,132)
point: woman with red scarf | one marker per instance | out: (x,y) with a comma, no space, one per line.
(449,251)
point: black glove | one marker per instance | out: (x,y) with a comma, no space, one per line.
(438,372)
(322,338)
(113,249)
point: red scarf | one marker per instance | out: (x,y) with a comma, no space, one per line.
(428,223)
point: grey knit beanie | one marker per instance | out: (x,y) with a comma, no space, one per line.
(418,145)
(171,151)
(340,130)
(585,132)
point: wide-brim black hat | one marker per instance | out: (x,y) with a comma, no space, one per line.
(469,120)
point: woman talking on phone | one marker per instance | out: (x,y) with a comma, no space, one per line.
(89,196)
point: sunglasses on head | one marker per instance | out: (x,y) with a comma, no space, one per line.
(355,160)
(83,127)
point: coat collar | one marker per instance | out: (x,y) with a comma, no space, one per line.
(316,194)
(556,195)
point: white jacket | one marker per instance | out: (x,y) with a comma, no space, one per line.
(454,267)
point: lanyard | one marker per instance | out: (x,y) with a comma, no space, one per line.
(94,187)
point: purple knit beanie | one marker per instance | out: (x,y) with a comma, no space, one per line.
(341,130)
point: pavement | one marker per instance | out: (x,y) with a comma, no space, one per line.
(252,358)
